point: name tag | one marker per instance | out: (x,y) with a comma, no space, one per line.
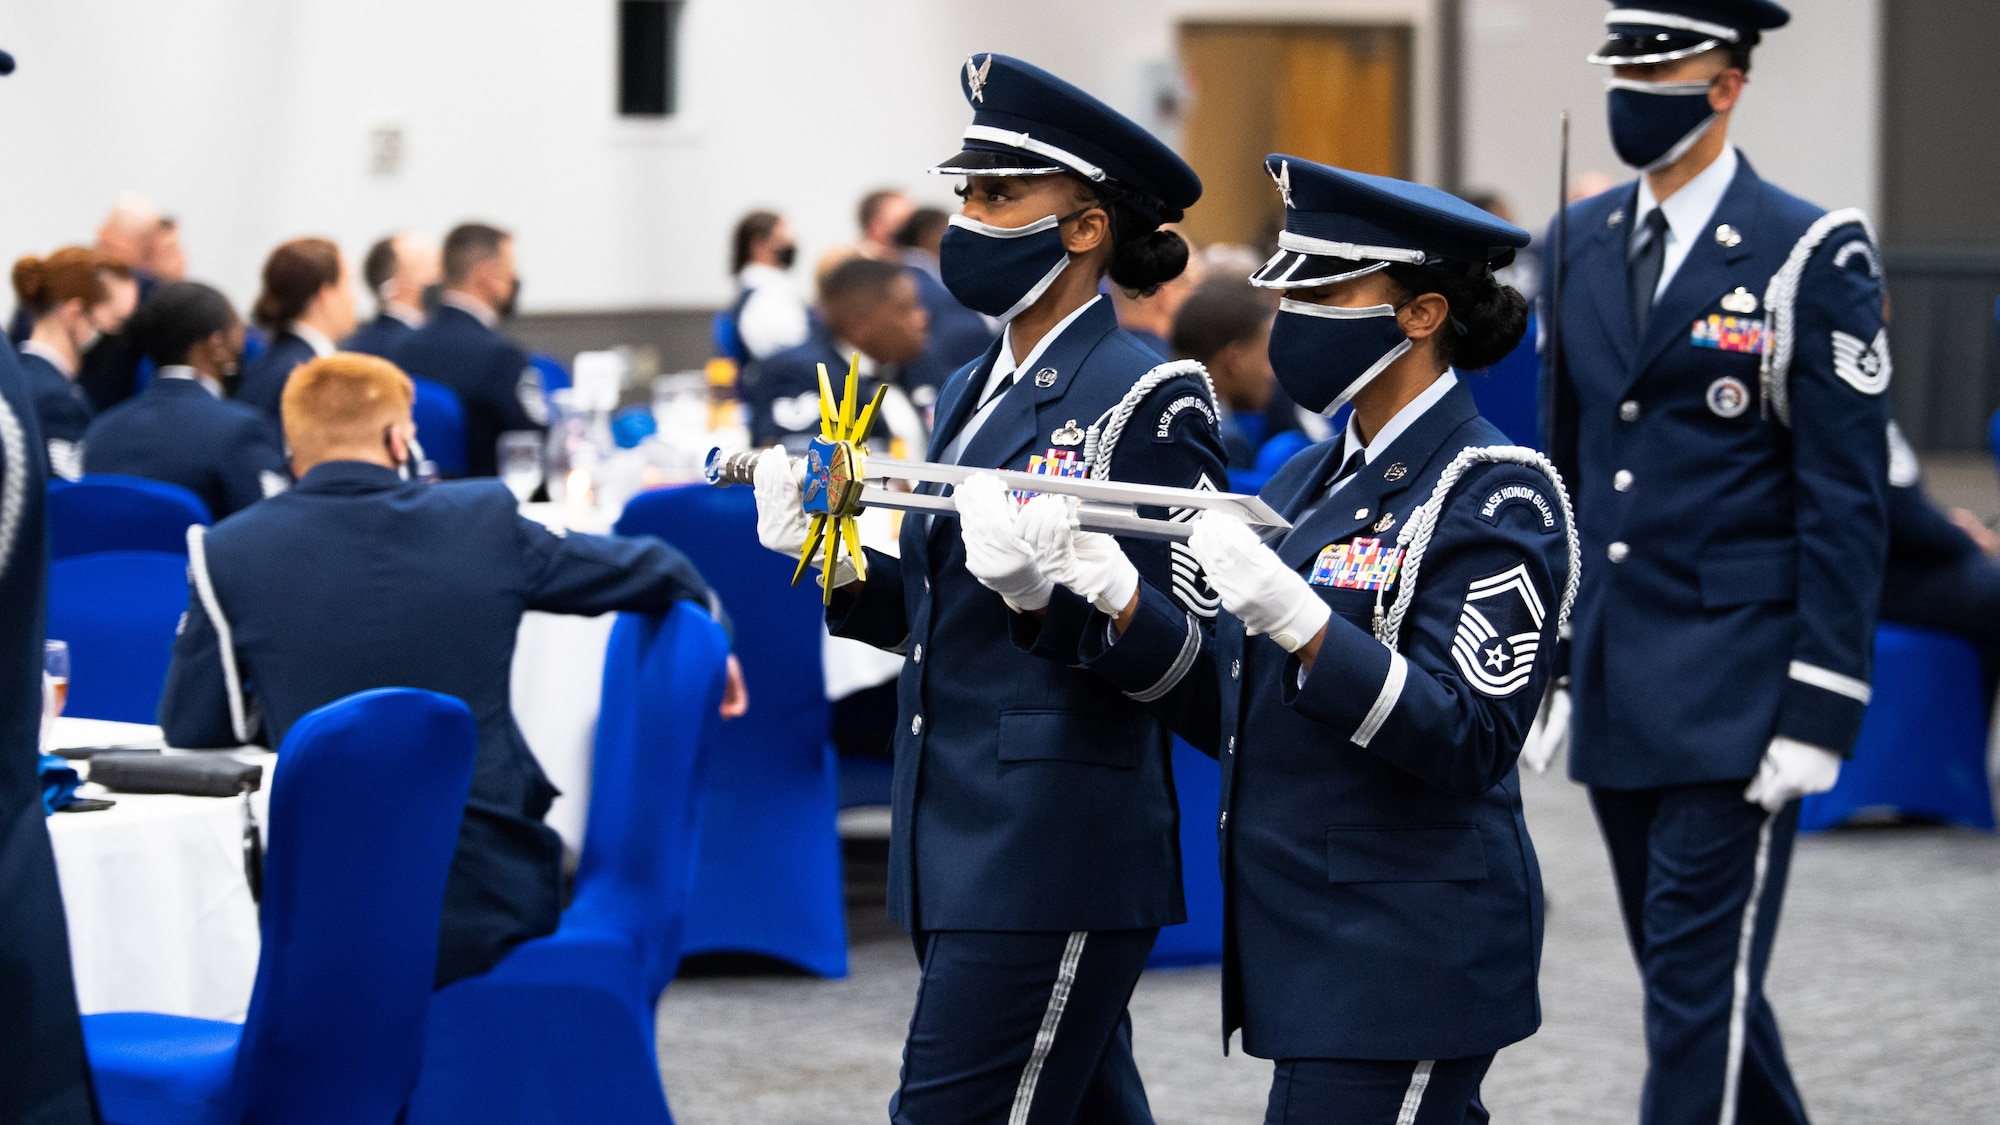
(1729,334)
(1361,565)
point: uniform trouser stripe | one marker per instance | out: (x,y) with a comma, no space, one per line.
(1739,999)
(1045,1037)
(1413,1098)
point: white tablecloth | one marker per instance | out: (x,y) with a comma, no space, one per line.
(160,915)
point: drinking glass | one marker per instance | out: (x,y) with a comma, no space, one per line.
(520,456)
(55,666)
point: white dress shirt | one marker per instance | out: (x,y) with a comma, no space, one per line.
(181,371)
(1688,212)
(55,358)
(773,317)
(1387,435)
(314,338)
(1003,366)
(471,306)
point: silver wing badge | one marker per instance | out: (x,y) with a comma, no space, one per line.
(975,77)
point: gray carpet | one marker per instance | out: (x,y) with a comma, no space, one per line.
(1886,981)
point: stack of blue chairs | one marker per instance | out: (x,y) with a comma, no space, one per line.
(440,418)
(768,870)
(365,808)
(119,612)
(109,512)
(562,1029)
(1197,941)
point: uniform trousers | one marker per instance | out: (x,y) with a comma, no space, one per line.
(1701,876)
(1373,1092)
(1024,1029)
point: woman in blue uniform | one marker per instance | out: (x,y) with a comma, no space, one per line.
(307,303)
(68,294)
(1369,685)
(1034,851)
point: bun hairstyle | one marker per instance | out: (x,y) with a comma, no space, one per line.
(70,274)
(1487,319)
(1143,256)
(293,275)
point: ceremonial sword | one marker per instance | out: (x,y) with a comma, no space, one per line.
(842,478)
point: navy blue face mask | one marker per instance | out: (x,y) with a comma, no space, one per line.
(1323,354)
(1653,124)
(1000,271)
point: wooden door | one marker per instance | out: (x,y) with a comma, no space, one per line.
(1337,94)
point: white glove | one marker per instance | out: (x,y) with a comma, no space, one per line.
(1791,769)
(781,513)
(1088,562)
(1548,735)
(1254,583)
(994,553)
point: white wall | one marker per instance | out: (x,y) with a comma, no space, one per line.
(250,119)
(1810,122)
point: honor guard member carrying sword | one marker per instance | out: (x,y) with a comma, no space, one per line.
(1034,853)
(1717,401)
(1368,687)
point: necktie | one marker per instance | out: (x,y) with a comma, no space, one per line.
(1355,462)
(1001,388)
(1642,267)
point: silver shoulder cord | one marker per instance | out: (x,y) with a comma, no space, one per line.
(1415,537)
(1101,440)
(1781,300)
(14,486)
(239,713)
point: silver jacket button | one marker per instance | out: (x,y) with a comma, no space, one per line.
(1235,669)
(1621,480)
(916,724)
(1617,552)
(1628,410)
(1232,744)
(918,655)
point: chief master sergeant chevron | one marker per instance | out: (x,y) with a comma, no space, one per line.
(1716,399)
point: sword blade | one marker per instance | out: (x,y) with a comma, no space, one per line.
(1108,501)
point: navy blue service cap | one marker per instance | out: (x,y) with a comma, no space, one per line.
(1341,224)
(1658,31)
(1028,122)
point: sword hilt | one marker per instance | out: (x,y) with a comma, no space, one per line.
(730,468)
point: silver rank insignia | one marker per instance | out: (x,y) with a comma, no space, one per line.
(1068,435)
(976,75)
(1617,216)
(1395,472)
(1046,377)
(1740,301)
(1283,178)
(1387,521)
(1726,235)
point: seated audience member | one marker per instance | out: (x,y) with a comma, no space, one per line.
(769,313)
(1227,329)
(306,304)
(69,296)
(869,307)
(880,215)
(1150,316)
(1944,568)
(130,235)
(180,429)
(958,335)
(359,579)
(397,270)
(461,346)
(167,261)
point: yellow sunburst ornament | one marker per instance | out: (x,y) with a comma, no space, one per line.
(835,470)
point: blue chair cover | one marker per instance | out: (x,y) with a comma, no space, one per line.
(1509,392)
(365,805)
(109,512)
(440,419)
(1993,438)
(119,611)
(768,874)
(1922,750)
(562,1030)
(1278,450)
(1197,941)
(555,376)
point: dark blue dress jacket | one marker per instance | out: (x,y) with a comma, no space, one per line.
(1382,898)
(379,337)
(1733,562)
(44,1075)
(781,392)
(61,406)
(264,378)
(229,454)
(500,389)
(1029,795)
(357,579)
